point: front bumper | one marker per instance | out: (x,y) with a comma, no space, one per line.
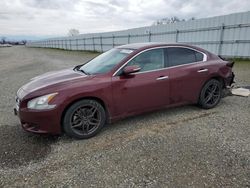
(41,122)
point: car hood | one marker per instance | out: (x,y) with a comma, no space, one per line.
(52,79)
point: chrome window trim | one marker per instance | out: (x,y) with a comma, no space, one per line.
(163,47)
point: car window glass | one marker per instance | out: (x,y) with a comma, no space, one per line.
(149,60)
(198,56)
(106,61)
(180,56)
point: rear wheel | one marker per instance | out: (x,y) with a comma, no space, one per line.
(84,119)
(211,94)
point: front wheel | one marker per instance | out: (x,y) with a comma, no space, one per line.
(84,119)
(210,94)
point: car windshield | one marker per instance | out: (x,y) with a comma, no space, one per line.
(105,62)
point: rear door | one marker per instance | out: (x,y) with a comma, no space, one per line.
(187,72)
(145,90)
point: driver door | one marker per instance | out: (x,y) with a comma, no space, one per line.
(145,90)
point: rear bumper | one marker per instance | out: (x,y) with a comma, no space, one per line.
(231,79)
(228,82)
(40,122)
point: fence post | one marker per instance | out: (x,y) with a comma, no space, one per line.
(93,40)
(77,44)
(84,44)
(176,35)
(70,47)
(128,38)
(113,41)
(221,38)
(101,43)
(149,36)
(66,44)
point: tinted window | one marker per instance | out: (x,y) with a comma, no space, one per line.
(180,56)
(149,60)
(198,56)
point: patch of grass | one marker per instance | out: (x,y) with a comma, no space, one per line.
(242,61)
(239,60)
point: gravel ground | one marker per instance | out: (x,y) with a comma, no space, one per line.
(179,147)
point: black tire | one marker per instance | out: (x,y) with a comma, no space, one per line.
(84,119)
(210,94)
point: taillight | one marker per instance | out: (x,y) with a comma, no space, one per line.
(230,64)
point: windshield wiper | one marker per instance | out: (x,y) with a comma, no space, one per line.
(77,68)
(83,71)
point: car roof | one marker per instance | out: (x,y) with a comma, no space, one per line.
(136,46)
(146,45)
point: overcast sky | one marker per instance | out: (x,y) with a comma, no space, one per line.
(56,17)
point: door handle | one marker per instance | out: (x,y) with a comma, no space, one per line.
(202,70)
(162,78)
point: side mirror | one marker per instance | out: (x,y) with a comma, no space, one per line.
(131,69)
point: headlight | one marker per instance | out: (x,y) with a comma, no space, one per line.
(42,103)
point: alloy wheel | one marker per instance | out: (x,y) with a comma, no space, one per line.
(85,119)
(212,94)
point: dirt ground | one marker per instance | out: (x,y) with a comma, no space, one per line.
(179,147)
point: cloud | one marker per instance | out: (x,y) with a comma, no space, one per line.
(56,17)
(51,4)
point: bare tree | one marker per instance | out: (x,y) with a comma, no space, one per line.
(175,19)
(73,32)
(3,40)
(164,21)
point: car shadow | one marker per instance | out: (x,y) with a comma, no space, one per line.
(19,148)
(153,115)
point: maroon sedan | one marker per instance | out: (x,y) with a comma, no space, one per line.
(124,81)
